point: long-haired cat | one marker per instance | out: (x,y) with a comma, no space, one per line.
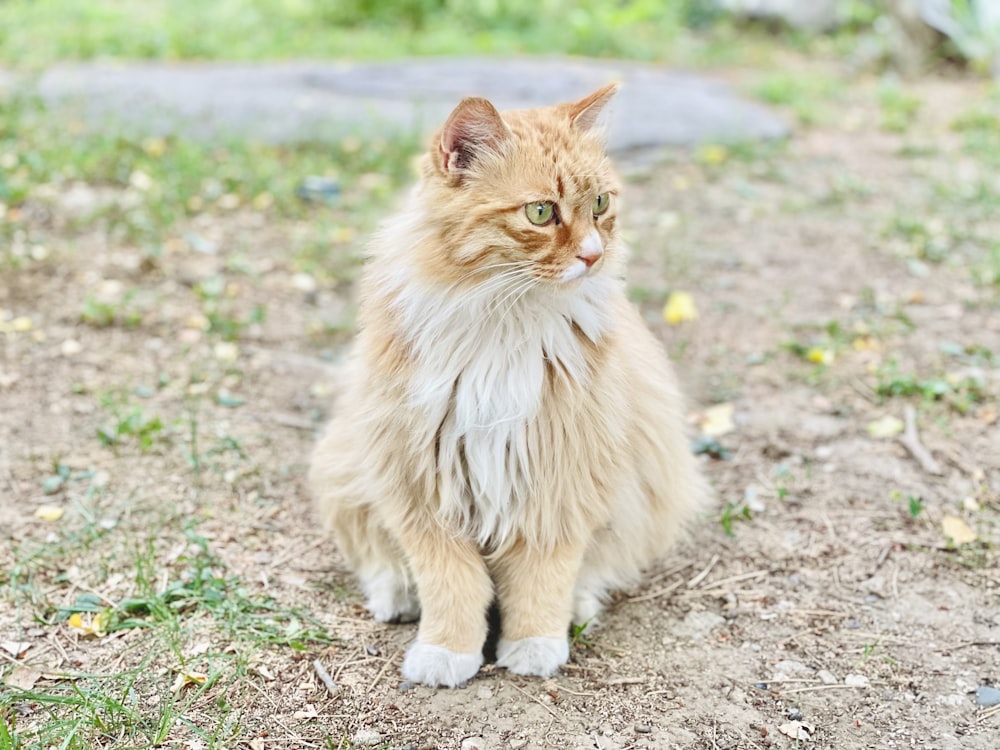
(508,428)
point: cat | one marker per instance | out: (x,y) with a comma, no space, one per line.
(508,428)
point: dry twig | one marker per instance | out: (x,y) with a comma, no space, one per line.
(910,440)
(325,677)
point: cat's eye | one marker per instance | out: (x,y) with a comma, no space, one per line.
(601,203)
(540,213)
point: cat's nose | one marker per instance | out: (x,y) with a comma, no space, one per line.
(591,249)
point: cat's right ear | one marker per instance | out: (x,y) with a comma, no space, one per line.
(473,129)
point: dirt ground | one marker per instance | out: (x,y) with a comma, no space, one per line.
(837,599)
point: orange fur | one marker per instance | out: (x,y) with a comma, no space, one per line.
(508,427)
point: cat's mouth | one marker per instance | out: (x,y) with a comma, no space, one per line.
(577,270)
(588,256)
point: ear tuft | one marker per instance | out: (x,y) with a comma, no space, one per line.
(584,113)
(473,128)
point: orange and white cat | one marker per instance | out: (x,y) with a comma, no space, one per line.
(508,428)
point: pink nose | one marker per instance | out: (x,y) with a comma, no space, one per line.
(591,249)
(590,257)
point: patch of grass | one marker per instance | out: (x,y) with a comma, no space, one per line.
(733,512)
(129,422)
(811,97)
(357,29)
(169,690)
(899,109)
(158,182)
(960,391)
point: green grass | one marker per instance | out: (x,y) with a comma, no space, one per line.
(142,191)
(56,30)
(173,600)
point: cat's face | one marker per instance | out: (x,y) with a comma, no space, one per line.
(523,194)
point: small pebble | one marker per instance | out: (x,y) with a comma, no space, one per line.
(517,743)
(794,714)
(852,624)
(643,728)
(987,696)
(473,743)
(856,680)
(366,738)
(406,686)
(371,650)
(760,685)
(826,676)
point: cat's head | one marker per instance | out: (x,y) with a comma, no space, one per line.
(522,193)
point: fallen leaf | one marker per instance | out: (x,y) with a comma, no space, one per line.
(49,512)
(885,427)
(820,356)
(309,712)
(185,677)
(797,730)
(23,678)
(717,420)
(712,154)
(957,530)
(90,624)
(17,325)
(15,648)
(679,308)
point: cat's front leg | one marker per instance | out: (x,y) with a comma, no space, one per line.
(535,590)
(455,591)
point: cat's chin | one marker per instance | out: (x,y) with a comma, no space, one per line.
(574,273)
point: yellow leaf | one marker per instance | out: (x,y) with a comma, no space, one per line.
(185,677)
(713,155)
(679,308)
(957,530)
(155,146)
(885,427)
(90,624)
(820,356)
(49,512)
(17,325)
(717,420)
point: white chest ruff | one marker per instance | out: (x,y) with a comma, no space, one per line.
(479,385)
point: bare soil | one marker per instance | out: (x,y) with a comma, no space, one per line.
(837,600)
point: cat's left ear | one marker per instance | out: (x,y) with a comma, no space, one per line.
(584,113)
(475,128)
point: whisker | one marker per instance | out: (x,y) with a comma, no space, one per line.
(525,289)
(474,271)
(513,295)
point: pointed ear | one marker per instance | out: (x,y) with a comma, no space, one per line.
(473,128)
(584,113)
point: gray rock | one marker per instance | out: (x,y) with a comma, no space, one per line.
(792,668)
(987,696)
(366,738)
(698,625)
(297,101)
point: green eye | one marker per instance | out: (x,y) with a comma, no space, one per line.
(539,213)
(601,203)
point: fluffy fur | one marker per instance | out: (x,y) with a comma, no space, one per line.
(508,427)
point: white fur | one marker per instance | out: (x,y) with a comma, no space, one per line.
(389,599)
(479,380)
(539,656)
(576,270)
(436,665)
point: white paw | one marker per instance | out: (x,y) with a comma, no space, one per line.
(539,656)
(436,665)
(586,608)
(389,600)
